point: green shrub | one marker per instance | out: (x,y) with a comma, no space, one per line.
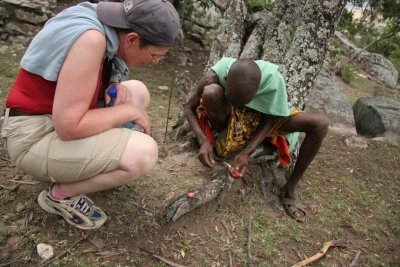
(347,73)
(257,5)
(395,58)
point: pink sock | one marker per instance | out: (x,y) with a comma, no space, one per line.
(57,193)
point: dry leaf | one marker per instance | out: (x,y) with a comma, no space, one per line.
(182,253)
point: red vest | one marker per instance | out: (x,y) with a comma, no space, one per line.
(32,94)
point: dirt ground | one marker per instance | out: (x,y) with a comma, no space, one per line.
(351,194)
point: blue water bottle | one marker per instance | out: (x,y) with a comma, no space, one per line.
(112,92)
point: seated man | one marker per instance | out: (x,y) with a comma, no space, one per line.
(245,102)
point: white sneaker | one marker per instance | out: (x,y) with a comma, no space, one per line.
(78,211)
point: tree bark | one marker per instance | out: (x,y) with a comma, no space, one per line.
(307,52)
(229,34)
(280,26)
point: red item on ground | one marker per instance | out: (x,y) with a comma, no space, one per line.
(190,194)
(236,174)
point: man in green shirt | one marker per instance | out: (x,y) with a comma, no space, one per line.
(246,102)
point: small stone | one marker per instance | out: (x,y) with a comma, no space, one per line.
(163,87)
(45,251)
(355,141)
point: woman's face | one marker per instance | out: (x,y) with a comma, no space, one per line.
(134,55)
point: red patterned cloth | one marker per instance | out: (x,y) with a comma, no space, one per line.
(204,123)
(282,148)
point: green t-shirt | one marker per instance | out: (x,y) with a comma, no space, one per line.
(271,97)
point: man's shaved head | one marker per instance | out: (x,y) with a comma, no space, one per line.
(242,82)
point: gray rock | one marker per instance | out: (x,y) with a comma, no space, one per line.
(379,67)
(374,64)
(3,15)
(30,17)
(356,141)
(23,17)
(377,116)
(327,98)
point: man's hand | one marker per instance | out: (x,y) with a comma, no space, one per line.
(206,154)
(241,162)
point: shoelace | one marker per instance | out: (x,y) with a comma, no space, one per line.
(82,203)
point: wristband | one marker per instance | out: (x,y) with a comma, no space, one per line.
(250,146)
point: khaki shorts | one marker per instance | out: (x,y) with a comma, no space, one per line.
(36,149)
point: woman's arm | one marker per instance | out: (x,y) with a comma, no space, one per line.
(76,86)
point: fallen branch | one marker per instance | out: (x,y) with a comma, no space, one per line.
(153,213)
(195,198)
(226,228)
(322,252)
(230,258)
(65,251)
(354,261)
(24,182)
(170,263)
(249,257)
(169,108)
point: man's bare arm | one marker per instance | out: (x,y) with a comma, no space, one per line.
(194,102)
(206,155)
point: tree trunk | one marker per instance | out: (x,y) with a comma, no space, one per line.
(307,52)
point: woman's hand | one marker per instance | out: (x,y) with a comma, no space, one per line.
(123,94)
(142,119)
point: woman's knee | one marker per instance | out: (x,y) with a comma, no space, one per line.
(140,155)
(139,91)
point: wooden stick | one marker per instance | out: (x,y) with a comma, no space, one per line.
(230,258)
(322,252)
(170,263)
(169,108)
(145,209)
(226,228)
(249,257)
(173,264)
(354,261)
(24,182)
